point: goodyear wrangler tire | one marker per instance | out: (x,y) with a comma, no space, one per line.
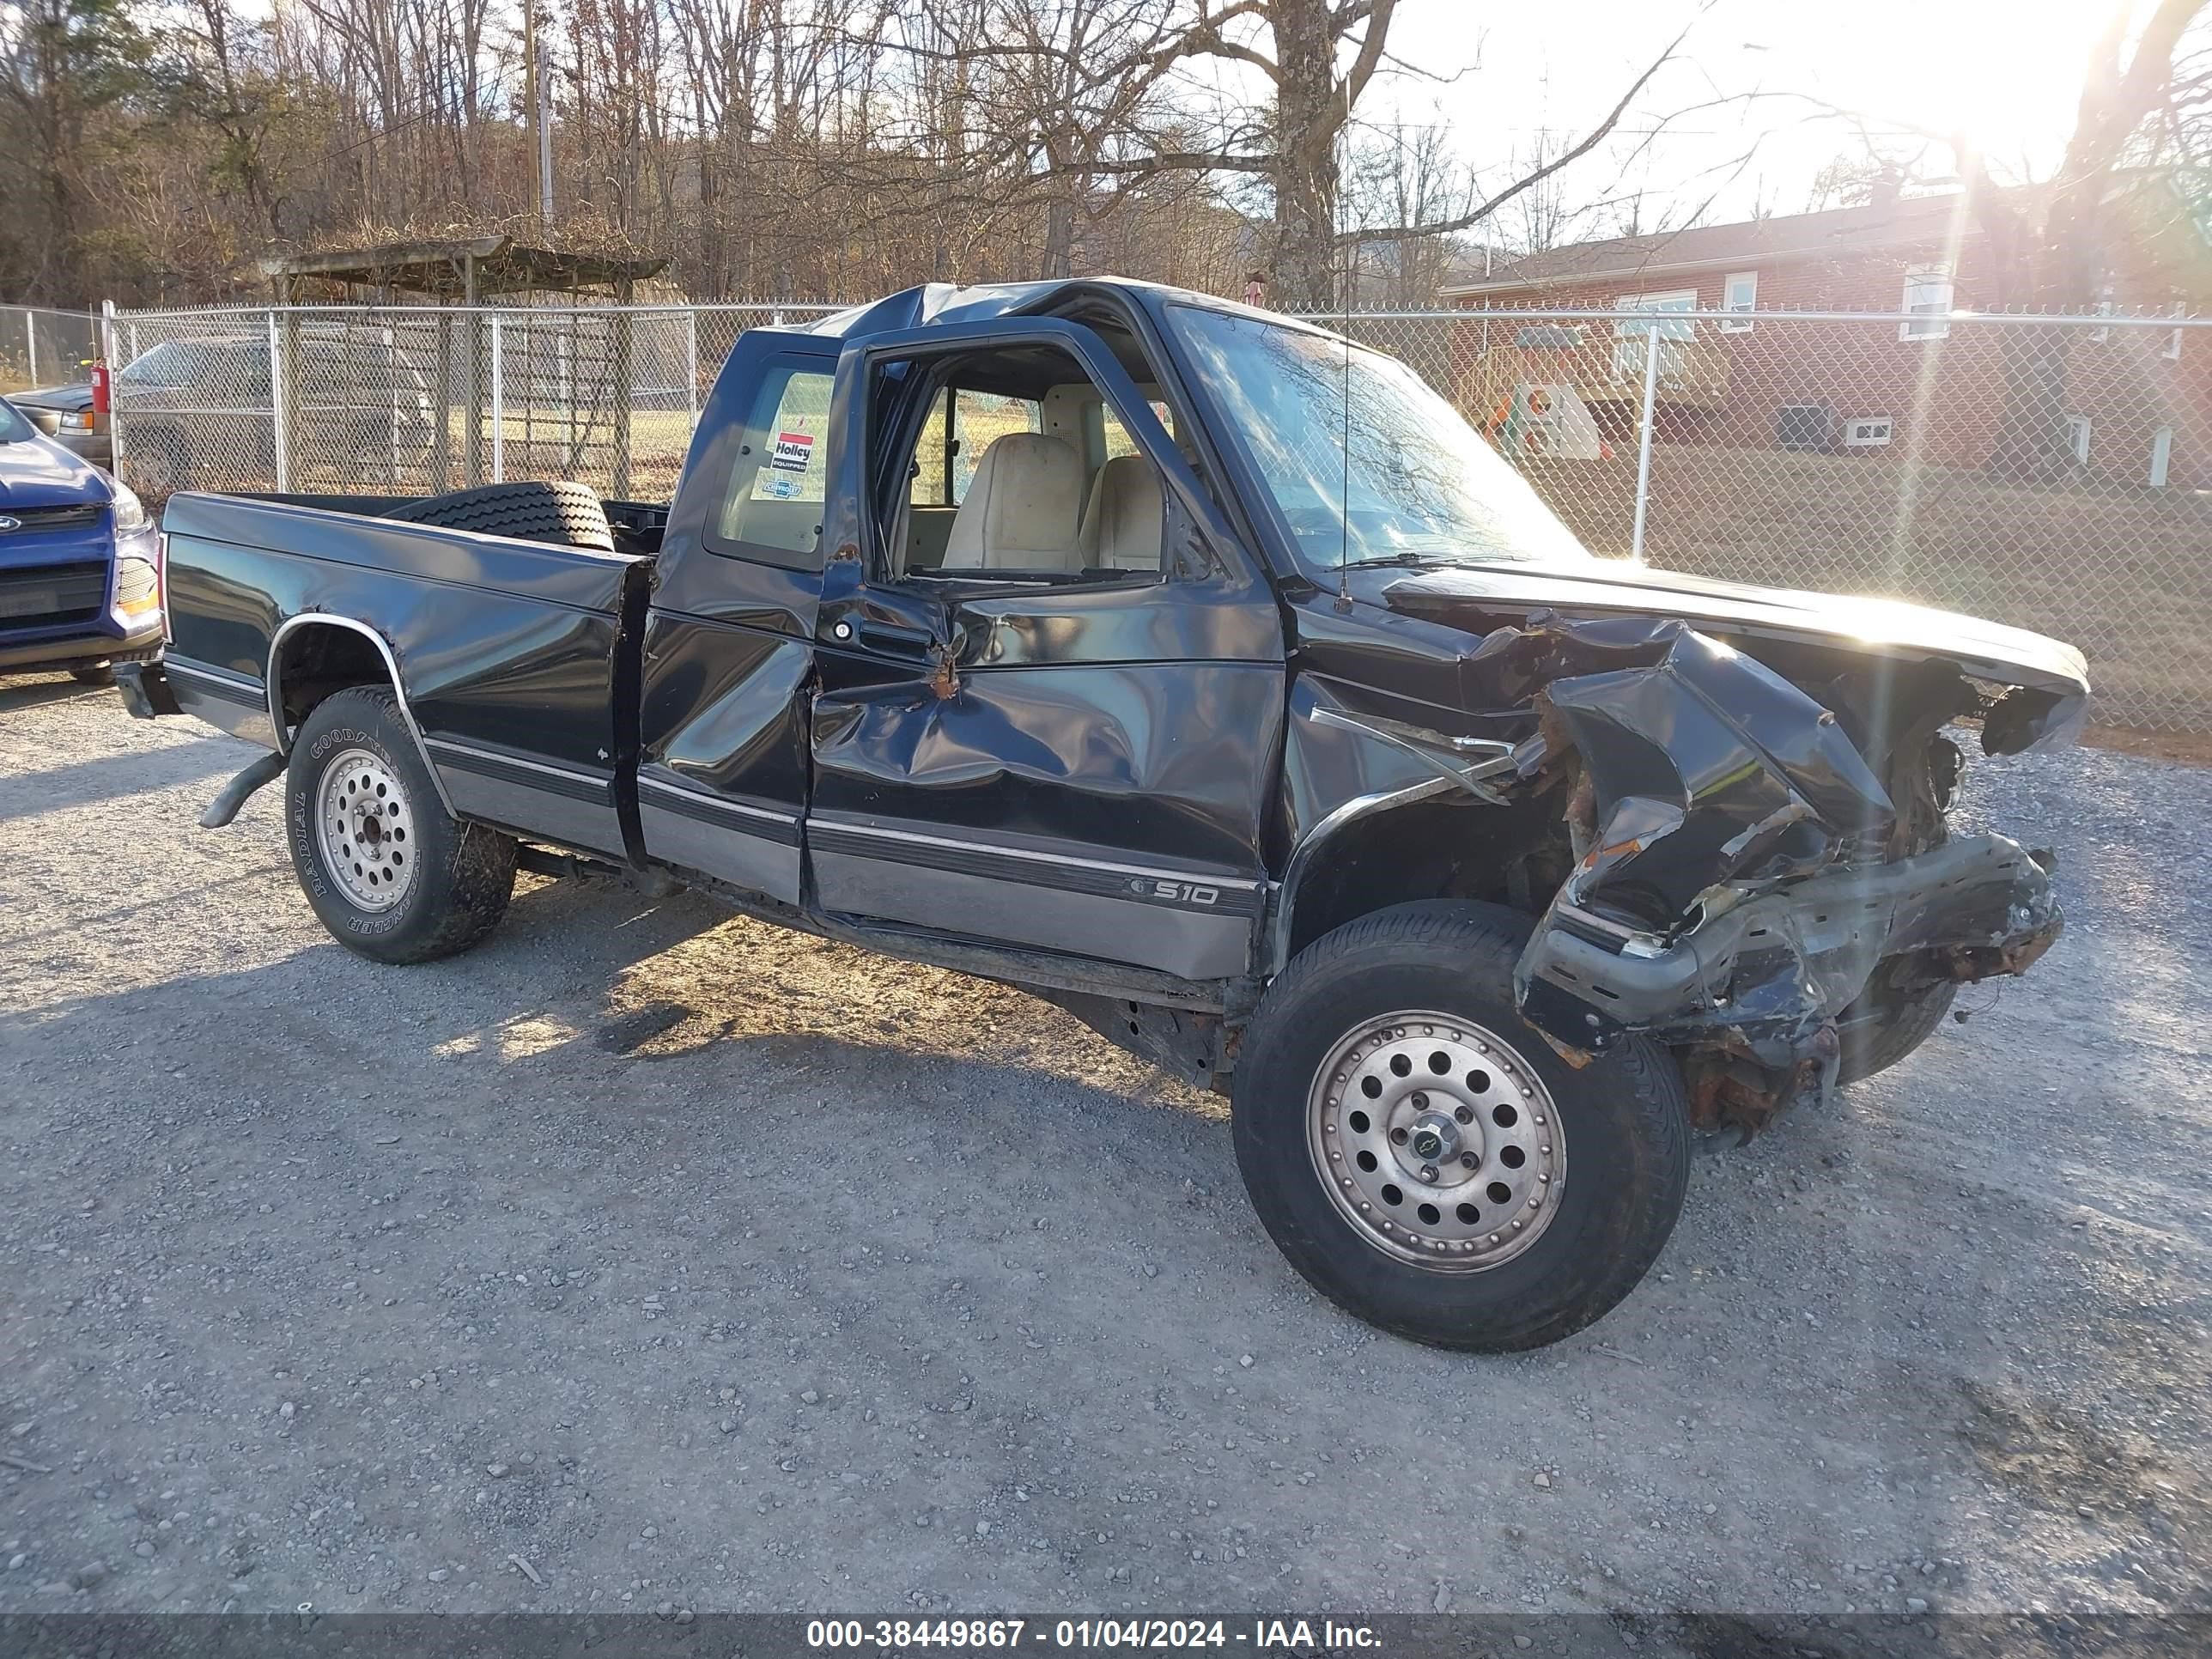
(1427,1161)
(391,876)
(564,513)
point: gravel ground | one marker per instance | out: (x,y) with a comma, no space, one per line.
(700,1266)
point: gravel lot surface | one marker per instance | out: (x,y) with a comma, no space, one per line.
(649,1258)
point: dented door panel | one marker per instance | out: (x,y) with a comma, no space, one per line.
(1107,810)
(722,778)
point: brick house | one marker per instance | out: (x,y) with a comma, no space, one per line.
(2137,401)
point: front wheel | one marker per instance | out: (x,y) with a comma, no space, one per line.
(1891,1018)
(1427,1161)
(389,872)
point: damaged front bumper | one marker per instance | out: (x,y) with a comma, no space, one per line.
(1755,864)
(1767,978)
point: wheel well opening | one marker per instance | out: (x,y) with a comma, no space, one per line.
(1514,855)
(317,661)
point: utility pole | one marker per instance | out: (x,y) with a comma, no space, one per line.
(540,111)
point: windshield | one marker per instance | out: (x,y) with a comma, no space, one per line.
(174,365)
(1365,462)
(14,429)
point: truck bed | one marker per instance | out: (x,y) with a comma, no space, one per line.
(510,655)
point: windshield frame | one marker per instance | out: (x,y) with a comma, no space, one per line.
(1285,551)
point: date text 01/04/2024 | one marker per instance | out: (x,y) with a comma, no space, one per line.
(1265,1635)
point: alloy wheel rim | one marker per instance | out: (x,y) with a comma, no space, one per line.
(365,830)
(1435,1138)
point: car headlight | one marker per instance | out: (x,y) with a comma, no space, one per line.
(76,420)
(130,511)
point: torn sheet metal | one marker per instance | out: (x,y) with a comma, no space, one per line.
(1741,870)
(1765,975)
(1705,767)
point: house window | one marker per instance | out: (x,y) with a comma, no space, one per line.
(2077,433)
(1927,295)
(2162,456)
(1739,292)
(1868,431)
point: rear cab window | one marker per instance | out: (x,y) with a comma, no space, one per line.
(771,506)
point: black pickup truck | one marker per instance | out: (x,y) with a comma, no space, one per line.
(1207,675)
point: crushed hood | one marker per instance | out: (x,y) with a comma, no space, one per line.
(1480,598)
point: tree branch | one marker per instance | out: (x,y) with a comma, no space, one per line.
(1589,142)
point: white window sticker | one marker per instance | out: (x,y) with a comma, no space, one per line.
(794,450)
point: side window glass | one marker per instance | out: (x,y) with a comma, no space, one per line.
(978,419)
(772,500)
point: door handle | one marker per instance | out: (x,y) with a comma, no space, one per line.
(889,636)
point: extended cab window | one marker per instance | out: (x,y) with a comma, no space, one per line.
(772,503)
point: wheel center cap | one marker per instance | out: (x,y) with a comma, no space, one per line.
(1434,1139)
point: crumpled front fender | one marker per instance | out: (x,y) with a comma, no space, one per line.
(1734,889)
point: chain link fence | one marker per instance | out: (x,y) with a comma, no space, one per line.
(41,348)
(2054,473)
(412,399)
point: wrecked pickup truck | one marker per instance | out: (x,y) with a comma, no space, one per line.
(1207,676)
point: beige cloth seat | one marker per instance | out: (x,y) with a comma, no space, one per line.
(1121,524)
(1021,509)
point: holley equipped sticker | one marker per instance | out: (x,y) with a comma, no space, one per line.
(794,450)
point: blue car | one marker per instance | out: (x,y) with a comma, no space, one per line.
(80,575)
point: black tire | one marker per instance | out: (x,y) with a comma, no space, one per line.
(1886,1023)
(461,874)
(101,673)
(1625,1126)
(567,514)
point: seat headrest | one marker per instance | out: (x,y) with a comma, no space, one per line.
(1122,525)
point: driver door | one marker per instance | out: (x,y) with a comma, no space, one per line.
(1075,757)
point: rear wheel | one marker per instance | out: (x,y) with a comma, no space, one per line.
(1427,1161)
(389,872)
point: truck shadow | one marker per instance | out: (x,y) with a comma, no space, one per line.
(111,777)
(19,692)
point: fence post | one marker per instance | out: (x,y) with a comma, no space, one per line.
(31,343)
(691,376)
(1643,442)
(277,433)
(623,391)
(498,407)
(392,444)
(106,347)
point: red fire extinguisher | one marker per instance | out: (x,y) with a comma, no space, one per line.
(100,394)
